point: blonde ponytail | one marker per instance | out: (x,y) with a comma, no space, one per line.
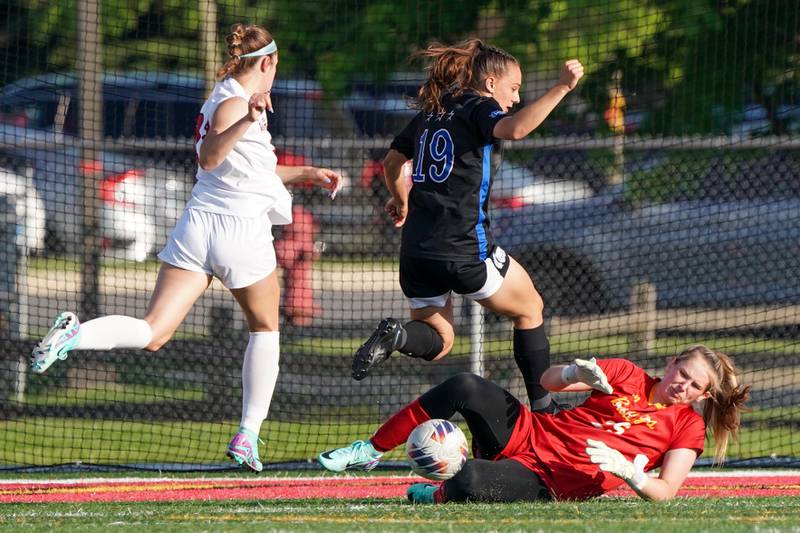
(723,409)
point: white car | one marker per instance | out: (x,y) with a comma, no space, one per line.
(140,201)
(128,231)
(29,207)
(516,186)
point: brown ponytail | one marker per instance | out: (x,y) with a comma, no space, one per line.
(241,40)
(458,68)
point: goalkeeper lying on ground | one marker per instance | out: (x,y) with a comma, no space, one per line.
(630,424)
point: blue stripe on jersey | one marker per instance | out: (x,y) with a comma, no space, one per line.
(480,231)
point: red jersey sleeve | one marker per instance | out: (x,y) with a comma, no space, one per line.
(618,370)
(690,432)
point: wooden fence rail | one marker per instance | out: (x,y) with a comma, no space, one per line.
(643,319)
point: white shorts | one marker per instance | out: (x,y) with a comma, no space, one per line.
(237,250)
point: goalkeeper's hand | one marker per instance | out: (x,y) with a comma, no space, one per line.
(611,460)
(587,372)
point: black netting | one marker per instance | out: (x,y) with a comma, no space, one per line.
(658,206)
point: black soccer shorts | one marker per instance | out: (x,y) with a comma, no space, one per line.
(429,282)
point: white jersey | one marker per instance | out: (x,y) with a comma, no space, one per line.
(245,184)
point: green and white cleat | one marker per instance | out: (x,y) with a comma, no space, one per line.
(360,455)
(61,338)
(243,448)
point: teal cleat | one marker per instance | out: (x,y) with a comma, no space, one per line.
(243,449)
(421,493)
(360,455)
(61,338)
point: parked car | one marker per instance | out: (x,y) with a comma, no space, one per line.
(733,239)
(29,208)
(381,109)
(516,186)
(140,202)
(160,105)
(753,120)
(153,105)
(142,195)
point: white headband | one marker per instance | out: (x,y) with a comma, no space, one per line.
(271,48)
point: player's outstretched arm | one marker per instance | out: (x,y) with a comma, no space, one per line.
(527,119)
(582,375)
(323,177)
(674,469)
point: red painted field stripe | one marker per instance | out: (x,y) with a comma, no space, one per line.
(149,484)
(719,486)
(209,489)
(78,491)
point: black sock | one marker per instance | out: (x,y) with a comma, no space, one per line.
(532,354)
(421,341)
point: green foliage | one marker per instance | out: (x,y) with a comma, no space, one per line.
(582,28)
(720,55)
(386,32)
(694,62)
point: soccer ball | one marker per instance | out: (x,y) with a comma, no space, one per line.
(437,449)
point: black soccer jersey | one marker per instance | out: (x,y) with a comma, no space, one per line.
(448,207)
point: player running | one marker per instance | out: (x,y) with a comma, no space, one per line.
(447,244)
(224,232)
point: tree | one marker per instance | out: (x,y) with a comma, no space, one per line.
(690,60)
(725,55)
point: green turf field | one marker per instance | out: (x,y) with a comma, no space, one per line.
(603,515)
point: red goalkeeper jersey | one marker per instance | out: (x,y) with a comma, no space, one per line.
(555,446)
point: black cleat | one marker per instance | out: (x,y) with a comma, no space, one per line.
(380,345)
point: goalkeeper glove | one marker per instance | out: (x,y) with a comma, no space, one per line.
(586,372)
(611,460)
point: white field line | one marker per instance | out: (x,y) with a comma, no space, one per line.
(261,480)
(745,473)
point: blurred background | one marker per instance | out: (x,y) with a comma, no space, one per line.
(657,207)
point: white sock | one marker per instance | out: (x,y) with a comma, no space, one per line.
(259,374)
(114,331)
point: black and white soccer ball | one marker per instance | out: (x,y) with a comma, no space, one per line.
(437,449)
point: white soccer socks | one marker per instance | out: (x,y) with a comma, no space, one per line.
(259,374)
(114,331)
